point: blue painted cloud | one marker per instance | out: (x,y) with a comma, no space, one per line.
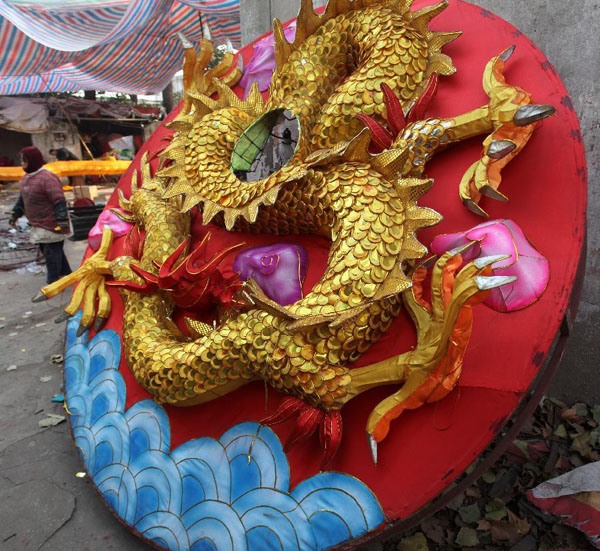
(227,494)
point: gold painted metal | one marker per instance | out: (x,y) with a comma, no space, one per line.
(332,186)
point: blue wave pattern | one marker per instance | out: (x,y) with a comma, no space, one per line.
(206,495)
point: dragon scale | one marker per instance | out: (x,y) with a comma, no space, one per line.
(259,344)
(370,216)
(356,76)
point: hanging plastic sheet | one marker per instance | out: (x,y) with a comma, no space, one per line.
(127,47)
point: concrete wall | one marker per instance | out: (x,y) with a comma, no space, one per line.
(12,142)
(257,15)
(566,31)
(60,134)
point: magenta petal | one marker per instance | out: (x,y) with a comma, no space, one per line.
(278,269)
(524,247)
(495,239)
(261,66)
(107,219)
(504,237)
(532,275)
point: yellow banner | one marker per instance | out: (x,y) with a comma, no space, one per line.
(97,167)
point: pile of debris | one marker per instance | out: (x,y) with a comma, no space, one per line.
(495,514)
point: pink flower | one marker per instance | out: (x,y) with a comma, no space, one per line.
(278,269)
(111,220)
(503,237)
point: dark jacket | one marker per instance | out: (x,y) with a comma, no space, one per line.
(42,200)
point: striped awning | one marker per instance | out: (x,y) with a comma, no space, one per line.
(112,45)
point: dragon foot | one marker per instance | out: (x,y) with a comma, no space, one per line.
(309,419)
(430,371)
(90,291)
(512,117)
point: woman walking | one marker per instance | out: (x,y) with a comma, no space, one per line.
(43,202)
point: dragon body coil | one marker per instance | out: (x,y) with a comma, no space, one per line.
(332,76)
(361,63)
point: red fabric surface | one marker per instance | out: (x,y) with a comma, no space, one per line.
(429,447)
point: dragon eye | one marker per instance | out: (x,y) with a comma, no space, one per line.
(266,145)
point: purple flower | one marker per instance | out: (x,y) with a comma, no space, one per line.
(107,219)
(503,237)
(261,66)
(278,269)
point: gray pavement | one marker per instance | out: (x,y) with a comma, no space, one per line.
(45,506)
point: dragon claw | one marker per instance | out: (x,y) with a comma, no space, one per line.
(499,149)
(99,323)
(81,330)
(40,297)
(485,283)
(528,114)
(492,193)
(90,289)
(485,261)
(430,371)
(185,41)
(463,248)
(507,54)
(428,262)
(63,316)
(475,208)
(508,122)
(373,447)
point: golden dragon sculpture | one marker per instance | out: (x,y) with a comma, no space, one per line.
(355,76)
